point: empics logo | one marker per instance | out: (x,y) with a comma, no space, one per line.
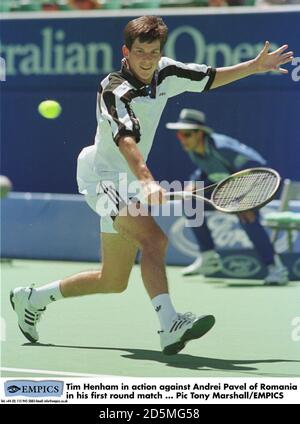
(30,388)
(13,389)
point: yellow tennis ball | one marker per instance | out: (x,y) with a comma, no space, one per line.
(49,109)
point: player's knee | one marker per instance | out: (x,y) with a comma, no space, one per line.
(163,242)
(109,284)
(97,277)
(155,242)
(119,287)
(114,286)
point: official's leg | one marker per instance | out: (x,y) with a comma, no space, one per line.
(277,273)
(208,261)
(203,237)
(260,239)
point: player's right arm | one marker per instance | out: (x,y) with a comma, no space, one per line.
(153,192)
(114,100)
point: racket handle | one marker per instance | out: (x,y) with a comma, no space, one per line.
(178,195)
(172,196)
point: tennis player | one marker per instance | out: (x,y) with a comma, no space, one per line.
(129,106)
(216,156)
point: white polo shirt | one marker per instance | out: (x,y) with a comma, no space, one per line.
(126,106)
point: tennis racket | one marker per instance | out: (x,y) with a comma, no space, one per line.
(243,191)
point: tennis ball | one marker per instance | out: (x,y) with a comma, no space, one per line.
(5,186)
(49,109)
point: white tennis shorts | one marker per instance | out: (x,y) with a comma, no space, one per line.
(106,192)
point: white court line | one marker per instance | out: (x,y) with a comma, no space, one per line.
(30,371)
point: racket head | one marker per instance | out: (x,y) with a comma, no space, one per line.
(246,190)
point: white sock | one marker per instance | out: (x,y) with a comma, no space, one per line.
(44,295)
(165,310)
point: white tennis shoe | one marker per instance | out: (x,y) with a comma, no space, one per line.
(278,275)
(184,327)
(206,263)
(28,316)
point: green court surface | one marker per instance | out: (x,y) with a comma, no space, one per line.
(255,334)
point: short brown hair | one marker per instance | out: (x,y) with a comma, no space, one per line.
(146,29)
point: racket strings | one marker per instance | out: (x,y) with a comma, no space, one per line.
(245,191)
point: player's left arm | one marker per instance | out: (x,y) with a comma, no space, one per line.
(264,62)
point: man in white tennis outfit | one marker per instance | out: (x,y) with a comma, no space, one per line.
(129,105)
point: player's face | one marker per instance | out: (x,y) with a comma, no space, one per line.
(189,139)
(143,59)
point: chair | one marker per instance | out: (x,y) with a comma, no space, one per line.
(284,219)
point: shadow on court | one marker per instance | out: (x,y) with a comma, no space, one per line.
(221,283)
(177,361)
(238,285)
(254,285)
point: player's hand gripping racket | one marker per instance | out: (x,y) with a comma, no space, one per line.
(243,191)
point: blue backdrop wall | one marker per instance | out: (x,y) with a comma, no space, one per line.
(65,58)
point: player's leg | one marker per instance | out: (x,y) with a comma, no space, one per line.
(176,329)
(29,303)
(110,278)
(150,239)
